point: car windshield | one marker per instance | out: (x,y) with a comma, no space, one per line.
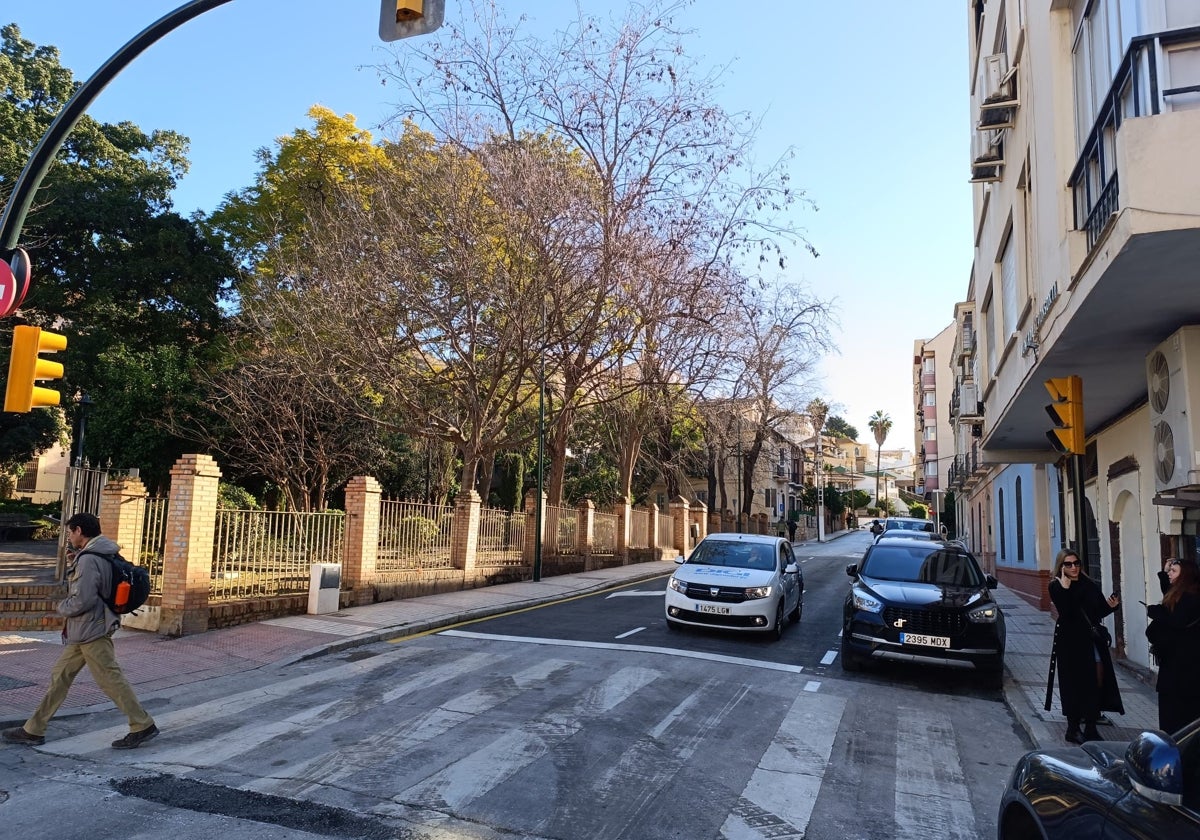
(908,525)
(737,555)
(919,563)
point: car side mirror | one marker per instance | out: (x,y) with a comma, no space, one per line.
(1155,768)
(991,582)
(679,560)
(852,570)
(791,569)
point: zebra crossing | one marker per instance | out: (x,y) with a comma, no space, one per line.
(579,743)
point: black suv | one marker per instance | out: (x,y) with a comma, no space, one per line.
(922,601)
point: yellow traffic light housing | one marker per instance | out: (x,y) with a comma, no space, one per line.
(1066,412)
(25,367)
(406,18)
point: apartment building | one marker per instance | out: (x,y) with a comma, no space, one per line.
(1086,187)
(933,387)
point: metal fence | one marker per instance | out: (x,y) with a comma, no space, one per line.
(604,534)
(150,547)
(562,528)
(413,535)
(639,528)
(501,538)
(259,553)
(665,533)
(81,494)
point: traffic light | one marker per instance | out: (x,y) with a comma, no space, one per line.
(406,18)
(25,367)
(1066,412)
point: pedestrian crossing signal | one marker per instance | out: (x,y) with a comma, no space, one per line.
(25,367)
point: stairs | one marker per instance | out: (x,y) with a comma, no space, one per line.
(30,606)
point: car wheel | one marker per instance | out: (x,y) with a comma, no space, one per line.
(850,660)
(794,615)
(777,633)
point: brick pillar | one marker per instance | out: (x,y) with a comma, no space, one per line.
(123,514)
(700,519)
(652,531)
(585,531)
(188,554)
(464,531)
(679,525)
(363,495)
(623,512)
(531,501)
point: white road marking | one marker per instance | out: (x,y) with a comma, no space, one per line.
(779,798)
(812,685)
(628,633)
(829,656)
(932,799)
(637,592)
(688,654)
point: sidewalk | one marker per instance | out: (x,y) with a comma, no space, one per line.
(155,664)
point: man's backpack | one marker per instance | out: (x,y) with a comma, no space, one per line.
(130,584)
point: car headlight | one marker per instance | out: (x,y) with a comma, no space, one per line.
(753,592)
(865,601)
(984,614)
(676,584)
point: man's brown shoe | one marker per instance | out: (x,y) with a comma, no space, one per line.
(135,739)
(18,735)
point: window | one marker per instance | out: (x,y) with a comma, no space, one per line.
(930,364)
(989,335)
(27,483)
(1008,286)
(1183,70)
(1000,522)
(1020,523)
(930,398)
(930,431)
(931,468)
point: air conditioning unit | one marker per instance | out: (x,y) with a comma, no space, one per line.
(987,156)
(998,87)
(1173,387)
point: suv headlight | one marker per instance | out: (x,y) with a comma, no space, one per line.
(755,592)
(676,584)
(984,614)
(865,601)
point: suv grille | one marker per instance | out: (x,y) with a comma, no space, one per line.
(929,622)
(725,594)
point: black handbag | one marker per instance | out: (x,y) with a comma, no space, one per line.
(1100,635)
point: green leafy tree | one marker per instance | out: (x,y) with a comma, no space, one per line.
(115,268)
(837,426)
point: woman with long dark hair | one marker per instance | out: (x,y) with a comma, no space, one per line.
(1087,684)
(1175,636)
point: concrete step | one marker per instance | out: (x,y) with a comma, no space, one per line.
(30,606)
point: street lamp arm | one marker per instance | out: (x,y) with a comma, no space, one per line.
(31,177)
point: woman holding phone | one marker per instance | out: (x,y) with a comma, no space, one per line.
(1175,634)
(1087,684)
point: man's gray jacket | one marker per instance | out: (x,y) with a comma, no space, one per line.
(89,579)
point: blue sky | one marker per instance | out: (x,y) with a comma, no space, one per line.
(872,95)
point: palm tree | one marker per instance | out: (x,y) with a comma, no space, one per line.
(880,424)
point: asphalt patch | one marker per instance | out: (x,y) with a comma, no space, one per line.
(220,800)
(9,683)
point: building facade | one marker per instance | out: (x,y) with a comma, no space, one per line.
(1086,188)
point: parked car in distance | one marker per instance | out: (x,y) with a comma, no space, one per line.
(922,601)
(1145,788)
(904,534)
(907,523)
(737,582)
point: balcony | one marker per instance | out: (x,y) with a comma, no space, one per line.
(1161,171)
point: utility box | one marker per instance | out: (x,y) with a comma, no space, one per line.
(324,586)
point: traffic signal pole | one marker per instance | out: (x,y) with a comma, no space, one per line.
(1067,436)
(21,198)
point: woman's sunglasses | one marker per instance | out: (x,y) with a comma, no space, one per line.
(1069,563)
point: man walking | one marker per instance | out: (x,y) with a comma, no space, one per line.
(791,526)
(87,635)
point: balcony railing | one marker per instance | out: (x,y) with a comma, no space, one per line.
(1134,93)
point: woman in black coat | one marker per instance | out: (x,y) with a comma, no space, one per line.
(1087,684)
(1175,636)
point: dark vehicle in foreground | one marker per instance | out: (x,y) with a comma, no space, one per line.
(922,601)
(1146,788)
(737,582)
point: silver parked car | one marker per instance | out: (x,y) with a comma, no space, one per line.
(737,582)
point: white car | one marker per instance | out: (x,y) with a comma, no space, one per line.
(737,582)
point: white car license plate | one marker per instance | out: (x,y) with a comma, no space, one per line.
(712,608)
(922,639)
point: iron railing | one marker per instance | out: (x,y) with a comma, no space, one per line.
(413,535)
(151,542)
(665,533)
(604,534)
(264,553)
(639,528)
(501,538)
(562,529)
